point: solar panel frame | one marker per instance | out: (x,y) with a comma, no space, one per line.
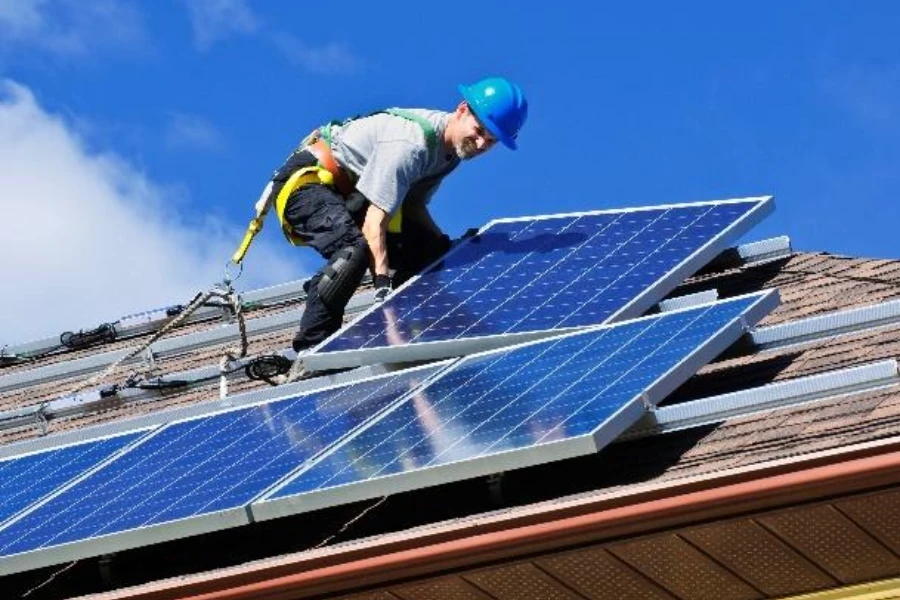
(178,528)
(270,506)
(431,350)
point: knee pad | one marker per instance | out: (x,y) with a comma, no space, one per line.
(342,275)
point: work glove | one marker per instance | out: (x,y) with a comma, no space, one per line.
(382,287)
(444,243)
(470,232)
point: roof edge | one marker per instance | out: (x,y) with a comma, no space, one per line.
(549,528)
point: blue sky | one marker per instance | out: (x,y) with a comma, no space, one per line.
(135,136)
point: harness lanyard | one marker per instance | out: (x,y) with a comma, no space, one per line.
(256,224)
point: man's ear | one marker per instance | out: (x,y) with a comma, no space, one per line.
(462,108)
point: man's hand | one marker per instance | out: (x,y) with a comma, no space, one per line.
(382,287)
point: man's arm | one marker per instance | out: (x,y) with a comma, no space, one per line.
(374,229)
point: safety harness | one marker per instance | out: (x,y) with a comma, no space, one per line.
(326,171)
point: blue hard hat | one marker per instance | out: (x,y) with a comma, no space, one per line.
(500,105)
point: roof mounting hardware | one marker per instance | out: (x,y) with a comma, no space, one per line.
(688,300)
(645,401)
(85,339)
(768,397)
(827,325)
(23,417)
(148,391)
(8,360)
(163,348)
(149,321)
(149,316)
(224,309)
(149,361)
(754,253)
(41,421)
(261,368)
(61,407)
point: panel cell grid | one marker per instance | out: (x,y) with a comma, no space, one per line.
(27,479)
(547,274)
(526,397)
(204,465)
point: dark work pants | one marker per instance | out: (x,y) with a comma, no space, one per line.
(318,214)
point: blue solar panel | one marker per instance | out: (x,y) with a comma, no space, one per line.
(27,479)
(203,466)
(542,274)
(547,400)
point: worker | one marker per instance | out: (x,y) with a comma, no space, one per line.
(357,192)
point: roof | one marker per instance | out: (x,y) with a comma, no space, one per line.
(792,499)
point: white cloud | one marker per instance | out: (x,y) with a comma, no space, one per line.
(88,238)
(190,132)
(21,17)
(72,28)
(331,58)
(215,20)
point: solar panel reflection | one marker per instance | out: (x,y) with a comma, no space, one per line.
(531,397)
(549,273)
(204,465)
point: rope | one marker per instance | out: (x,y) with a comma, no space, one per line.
(197,302)
(233,354)
(298,371)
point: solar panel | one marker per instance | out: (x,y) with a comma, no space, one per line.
(544,401)
(29,478)
(194,476)
(520,279)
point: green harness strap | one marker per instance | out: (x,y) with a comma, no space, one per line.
(431,140)
(430,134)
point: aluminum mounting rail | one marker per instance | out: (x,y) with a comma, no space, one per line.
(152,320)
(165,347)
(768,397)
(828,325)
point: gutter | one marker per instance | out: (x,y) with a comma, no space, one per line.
(547,528)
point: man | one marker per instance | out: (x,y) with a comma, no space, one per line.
(358,191)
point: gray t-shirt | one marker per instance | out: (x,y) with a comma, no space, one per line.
(389,157)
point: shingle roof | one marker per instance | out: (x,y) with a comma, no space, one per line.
(810,284)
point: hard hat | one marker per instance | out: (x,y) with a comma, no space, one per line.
(500,105)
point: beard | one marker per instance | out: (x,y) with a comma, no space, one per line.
(466,149)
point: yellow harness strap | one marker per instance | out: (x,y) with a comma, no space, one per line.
(304,176)
(255,226)
(395,225)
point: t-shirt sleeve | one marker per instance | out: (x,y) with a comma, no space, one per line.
(390,172)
